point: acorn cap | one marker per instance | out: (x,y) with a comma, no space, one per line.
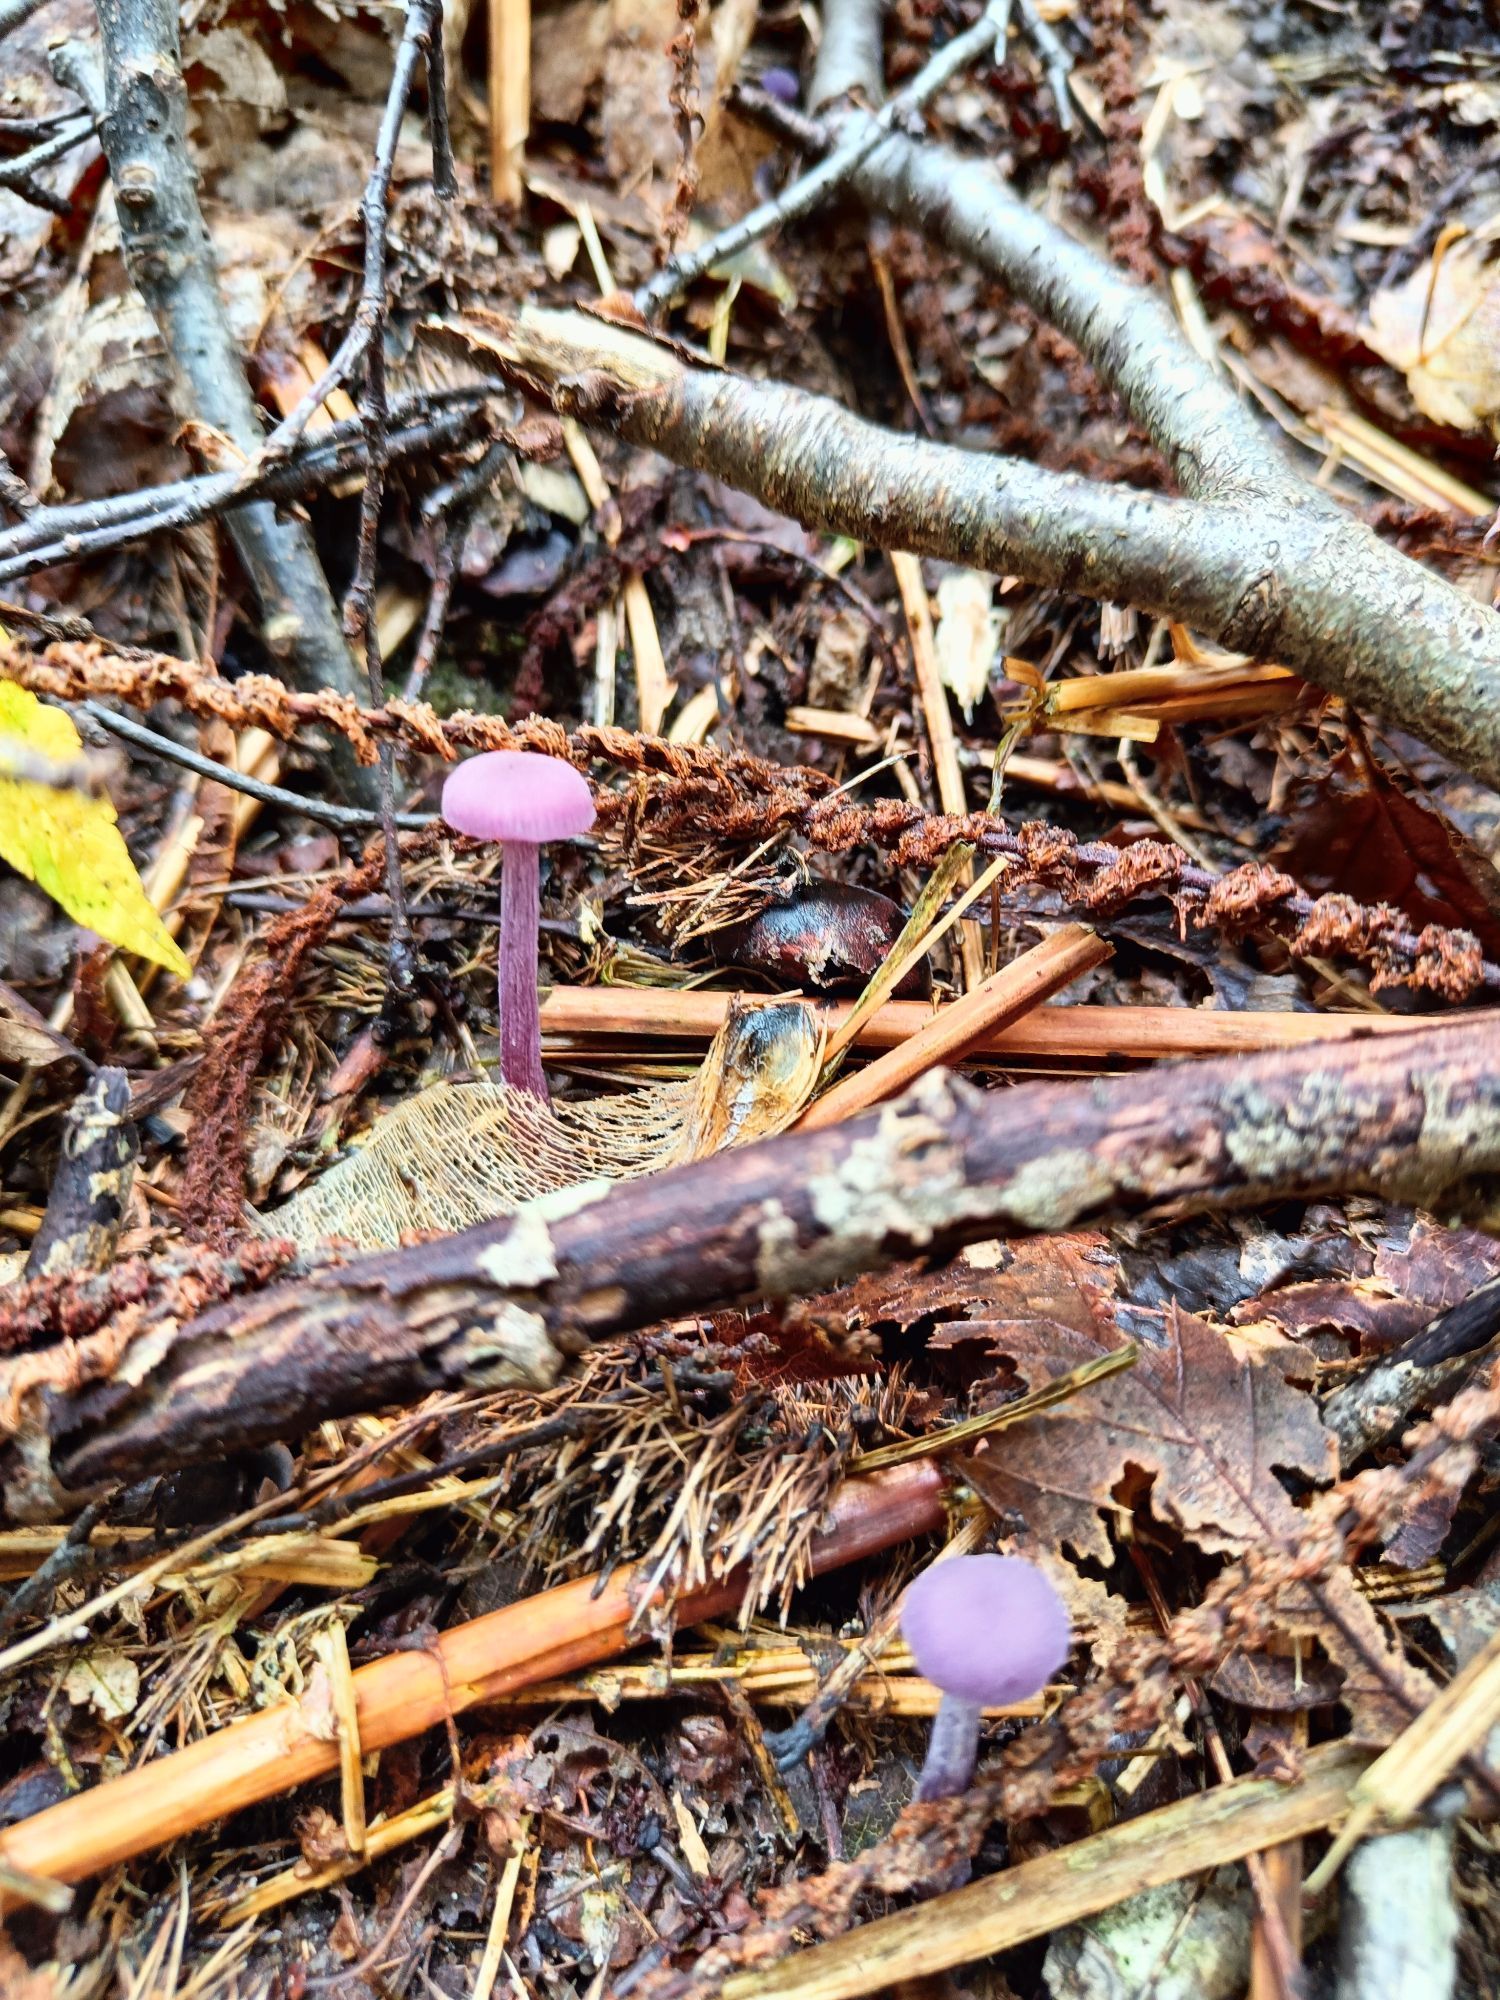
(517,795)
(988,1629)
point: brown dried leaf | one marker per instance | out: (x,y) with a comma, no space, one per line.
(1272,1683)
(1413,1278)
(1208,1421)
(1442,329)
(1069,1278)
(1352,828)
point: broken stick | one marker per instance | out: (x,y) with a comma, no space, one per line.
(1413,1118)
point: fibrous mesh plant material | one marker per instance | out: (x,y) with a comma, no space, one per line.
(460,1153)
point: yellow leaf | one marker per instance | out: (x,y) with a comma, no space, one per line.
(68,843)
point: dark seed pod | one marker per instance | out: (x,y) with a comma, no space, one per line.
(824,935)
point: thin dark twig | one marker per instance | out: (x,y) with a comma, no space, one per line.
(16,173)
(237,781)
(444,1851)
(423,34)
(467,484)
(71,1554)
(27,131)
(444,571)
(785,120)
(378,908)
(14,492)
(1055,58)
(13,13)
(421,41)
(440,137)
(52,535)
(821,181)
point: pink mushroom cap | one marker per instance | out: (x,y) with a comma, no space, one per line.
(987,1629)
(517,795)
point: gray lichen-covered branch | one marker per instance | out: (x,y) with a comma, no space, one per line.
(1269,565)
(1213,442)
(1411,1117)
(171,263)
(1304,586)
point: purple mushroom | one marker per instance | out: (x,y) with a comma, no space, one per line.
(521,800)
(987,1630)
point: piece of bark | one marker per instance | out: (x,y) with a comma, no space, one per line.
(86,1203)
(1428,1369)
(1414,1118)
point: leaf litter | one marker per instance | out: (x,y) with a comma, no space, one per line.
(651,1830)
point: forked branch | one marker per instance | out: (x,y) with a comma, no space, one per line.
(1270,577)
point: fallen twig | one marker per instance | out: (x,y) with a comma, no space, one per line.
(1410,1117)
(831,173)
(326,811)
(421,43)
(1380,1400)
(69,533)
(91,1185)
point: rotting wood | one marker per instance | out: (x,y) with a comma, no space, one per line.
(1413,1118)
(91,1187)
(540,1638)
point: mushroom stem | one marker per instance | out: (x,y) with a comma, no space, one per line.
(952,1750)
(520,1015)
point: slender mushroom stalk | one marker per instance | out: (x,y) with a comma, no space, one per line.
(987,1630)
(521,800)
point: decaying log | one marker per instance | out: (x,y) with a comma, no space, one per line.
(1414,1118)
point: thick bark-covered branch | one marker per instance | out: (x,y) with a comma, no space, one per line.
(1212,441)
(1300,585)
(1412,1117)
(171,264)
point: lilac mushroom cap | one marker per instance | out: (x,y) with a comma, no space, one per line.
(988,1629)
(520,799)
(510,795)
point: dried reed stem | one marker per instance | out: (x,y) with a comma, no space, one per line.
(954,1031)
(541,1638)
(572,1015)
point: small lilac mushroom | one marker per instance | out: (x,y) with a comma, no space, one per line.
(988,1630)
(520,799)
